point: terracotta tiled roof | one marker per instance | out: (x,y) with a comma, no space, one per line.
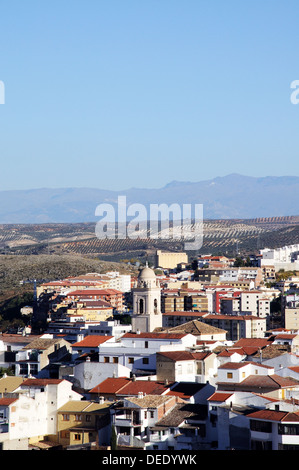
(149,387)
(91,341)
(42,343)
(110,385)
(7,401)
(239,365)
(87,292)
(285,336)
(230,351)
(272,415)
(252,342)
(41,382)
(15,338)
(184,355)
(196,327)
(150,401)
(182,412)
(220,396)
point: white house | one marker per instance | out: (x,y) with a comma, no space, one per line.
(274,430)
(236,372)
(137,351)
(31,413)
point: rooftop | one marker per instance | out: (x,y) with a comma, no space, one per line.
(92,341)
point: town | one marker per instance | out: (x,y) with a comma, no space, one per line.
(198,354)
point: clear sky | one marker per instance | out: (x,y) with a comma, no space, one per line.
(137,93)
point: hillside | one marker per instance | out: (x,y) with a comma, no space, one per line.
(79,239)
(17,269)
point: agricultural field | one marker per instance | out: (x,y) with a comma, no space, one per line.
(219,236)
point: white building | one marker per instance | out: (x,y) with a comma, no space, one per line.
(236,372)
(121,282)
(286,257)
(137,351)
(31,413)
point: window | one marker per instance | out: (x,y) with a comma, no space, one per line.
(77,437)
(146,344)
(261,426)
(23,369)
(145,360)
(106,359)
(290,429)
(33,369)
(78,417)
(88,418)
(115,360)
(65,417)
(229,375)
(131,360)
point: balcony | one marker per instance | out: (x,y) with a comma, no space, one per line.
(127,419)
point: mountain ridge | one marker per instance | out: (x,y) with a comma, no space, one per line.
(224,197)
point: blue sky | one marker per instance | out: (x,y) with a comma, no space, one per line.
(116,94)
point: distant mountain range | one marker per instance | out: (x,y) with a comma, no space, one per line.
(230,197)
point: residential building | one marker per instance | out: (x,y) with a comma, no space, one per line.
(28,415)
(81,423)
(184,299)
(186,366)
(38,358)
(203,331)
(182,428)
(285,257)
(112,296)
(228,426)
(10,344)
(291,318)
(256,378)
(135,417)
(274,430)
(253,302)
(238,326)
(137,351)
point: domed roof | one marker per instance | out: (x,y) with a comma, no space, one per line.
(147,273)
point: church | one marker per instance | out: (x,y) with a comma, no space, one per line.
(146,302)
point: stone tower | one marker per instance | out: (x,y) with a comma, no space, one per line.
(146,302)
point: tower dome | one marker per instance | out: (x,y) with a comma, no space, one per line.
(147,277)
(147,273)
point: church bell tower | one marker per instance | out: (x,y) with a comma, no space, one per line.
(146,302)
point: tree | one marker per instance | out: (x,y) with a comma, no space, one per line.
(194,264)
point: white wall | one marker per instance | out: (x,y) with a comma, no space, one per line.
(90,374)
